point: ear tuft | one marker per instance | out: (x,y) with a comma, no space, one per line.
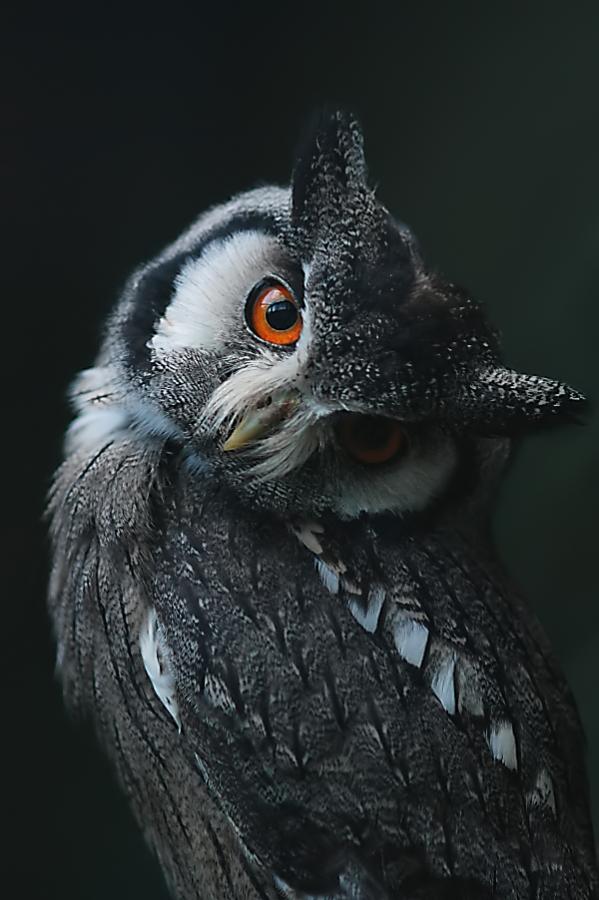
(330,167)
(508,401)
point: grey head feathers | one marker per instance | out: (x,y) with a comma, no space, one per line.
(381,336)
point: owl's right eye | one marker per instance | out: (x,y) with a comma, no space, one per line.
(371,439)
(272,313)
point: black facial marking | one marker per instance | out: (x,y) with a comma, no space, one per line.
(153,292)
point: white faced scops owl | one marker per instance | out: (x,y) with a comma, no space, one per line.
(273,587)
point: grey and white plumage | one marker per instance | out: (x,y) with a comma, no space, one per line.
(313,676)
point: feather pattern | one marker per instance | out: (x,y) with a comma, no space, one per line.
(311,673)
(254,673)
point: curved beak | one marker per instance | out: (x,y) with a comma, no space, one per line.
(257,422)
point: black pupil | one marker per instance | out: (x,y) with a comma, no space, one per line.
(281,315)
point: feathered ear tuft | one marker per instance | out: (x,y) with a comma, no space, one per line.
(329,168)
(504,401)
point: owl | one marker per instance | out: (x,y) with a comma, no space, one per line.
(273,586)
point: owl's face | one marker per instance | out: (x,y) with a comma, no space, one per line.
(293,345)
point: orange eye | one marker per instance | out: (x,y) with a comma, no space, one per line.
(371,439)
(273,314)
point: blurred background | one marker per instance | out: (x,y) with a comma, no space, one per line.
(482,130)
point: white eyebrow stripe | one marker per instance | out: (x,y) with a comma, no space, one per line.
(211,289)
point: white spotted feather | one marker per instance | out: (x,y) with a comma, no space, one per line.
(152,649)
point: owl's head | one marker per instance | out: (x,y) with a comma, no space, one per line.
(293,345)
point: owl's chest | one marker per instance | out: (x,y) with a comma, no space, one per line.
(326,644)
(269,588)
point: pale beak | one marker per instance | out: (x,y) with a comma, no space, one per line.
(258,421)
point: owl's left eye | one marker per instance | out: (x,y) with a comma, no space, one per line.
(272,313)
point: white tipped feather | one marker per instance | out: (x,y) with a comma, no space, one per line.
(152,649)
(306,531)
(411,639)
(442,683)
(328,576)
(502,743)
(368,617)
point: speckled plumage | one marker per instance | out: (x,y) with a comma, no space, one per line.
(313,677)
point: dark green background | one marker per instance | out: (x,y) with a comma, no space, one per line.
(482,128)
